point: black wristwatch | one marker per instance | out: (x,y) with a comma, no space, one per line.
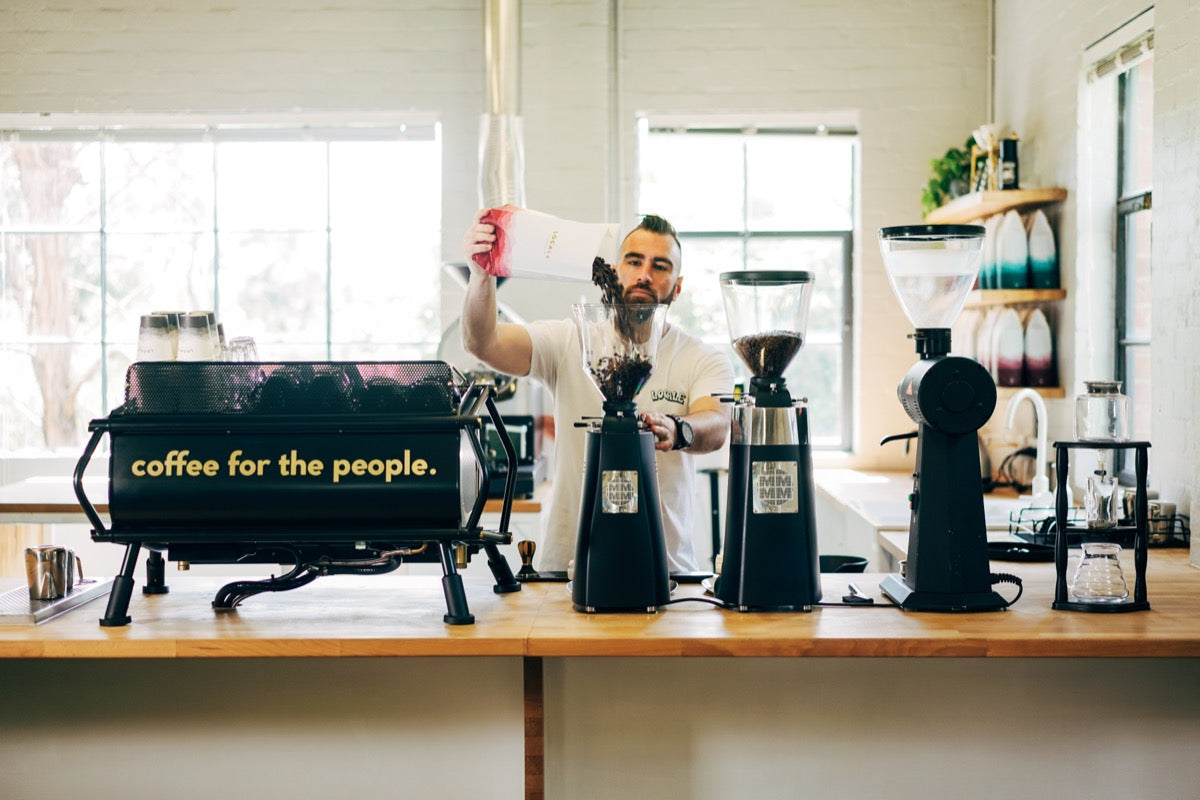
(683,433)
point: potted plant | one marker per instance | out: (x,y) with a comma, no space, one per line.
(950,177)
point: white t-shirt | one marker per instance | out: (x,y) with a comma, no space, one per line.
(685,369)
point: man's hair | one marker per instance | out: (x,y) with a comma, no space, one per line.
(656,224)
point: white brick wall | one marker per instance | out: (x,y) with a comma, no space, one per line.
(1039,47)
(914,77)
(915,82)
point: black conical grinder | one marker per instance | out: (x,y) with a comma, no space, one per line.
(620,552)
(932,269)
(769,560)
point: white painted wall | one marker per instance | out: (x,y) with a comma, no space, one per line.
(916,81)
(1039,55)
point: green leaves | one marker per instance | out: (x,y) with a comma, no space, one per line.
(954,166)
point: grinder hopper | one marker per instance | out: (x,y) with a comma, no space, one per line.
(620,552)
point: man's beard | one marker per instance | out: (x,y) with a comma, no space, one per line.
(631,299)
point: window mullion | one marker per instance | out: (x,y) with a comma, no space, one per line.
(103,203)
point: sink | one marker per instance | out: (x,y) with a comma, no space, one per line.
(895,513)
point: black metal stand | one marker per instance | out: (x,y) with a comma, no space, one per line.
(117,613)
(231,594)
(505,580)
(156,574)
(457,612)
(1139,529)
(714,507)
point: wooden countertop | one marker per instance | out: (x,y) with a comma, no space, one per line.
(52,499)
(402,616)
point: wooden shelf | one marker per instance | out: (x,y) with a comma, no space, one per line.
(1003,393)
(984,298)
(978,205)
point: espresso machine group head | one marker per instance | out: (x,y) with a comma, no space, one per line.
(620,552)
(931,269)
(769,559)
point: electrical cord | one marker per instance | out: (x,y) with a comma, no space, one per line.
(1005,577)
(712,601)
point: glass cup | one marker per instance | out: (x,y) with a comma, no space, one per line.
(1098,578)
(196,337)
(1100,500)
(155,338)
(173,322)
(241,348)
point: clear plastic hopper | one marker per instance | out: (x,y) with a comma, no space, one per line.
(932,269)
(620,345)
(767,313)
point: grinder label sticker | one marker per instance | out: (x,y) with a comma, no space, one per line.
(773,487)
(619,491)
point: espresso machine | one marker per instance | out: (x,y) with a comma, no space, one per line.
(769,559)
(931,269)
(620,552)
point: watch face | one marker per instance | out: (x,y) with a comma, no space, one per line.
(683,433)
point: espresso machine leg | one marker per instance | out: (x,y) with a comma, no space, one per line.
(117,613)
(457,612)
(501,571)
(156,569)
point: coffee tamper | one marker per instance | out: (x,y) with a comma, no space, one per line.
(526,548)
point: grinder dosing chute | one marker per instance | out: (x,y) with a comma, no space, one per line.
(932,269)
(769,559)
(620,552)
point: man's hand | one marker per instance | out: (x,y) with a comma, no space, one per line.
(663,428)
(480,237)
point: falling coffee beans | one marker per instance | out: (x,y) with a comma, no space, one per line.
(620,377)
(768,354)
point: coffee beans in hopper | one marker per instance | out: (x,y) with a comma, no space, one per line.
(768,354)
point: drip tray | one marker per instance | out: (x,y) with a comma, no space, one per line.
(17,609)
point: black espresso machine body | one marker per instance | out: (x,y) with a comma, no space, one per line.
(769,560)
(333,467)
(620,551)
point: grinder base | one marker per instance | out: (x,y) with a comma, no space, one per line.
(911,599)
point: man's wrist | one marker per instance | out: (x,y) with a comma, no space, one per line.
(684,435)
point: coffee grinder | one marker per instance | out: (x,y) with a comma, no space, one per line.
(620,552)
(769,560)
(932,269)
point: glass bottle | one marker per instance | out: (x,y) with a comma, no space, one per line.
(1100,500)
(1102,413)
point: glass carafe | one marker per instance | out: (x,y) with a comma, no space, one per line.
(1102,413)
(1098,578)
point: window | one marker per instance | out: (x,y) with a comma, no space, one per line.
(1135,89)
(764,199)
(319,243)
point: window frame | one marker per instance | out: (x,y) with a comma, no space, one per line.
(1130,202)
(845,435)
(106,130)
